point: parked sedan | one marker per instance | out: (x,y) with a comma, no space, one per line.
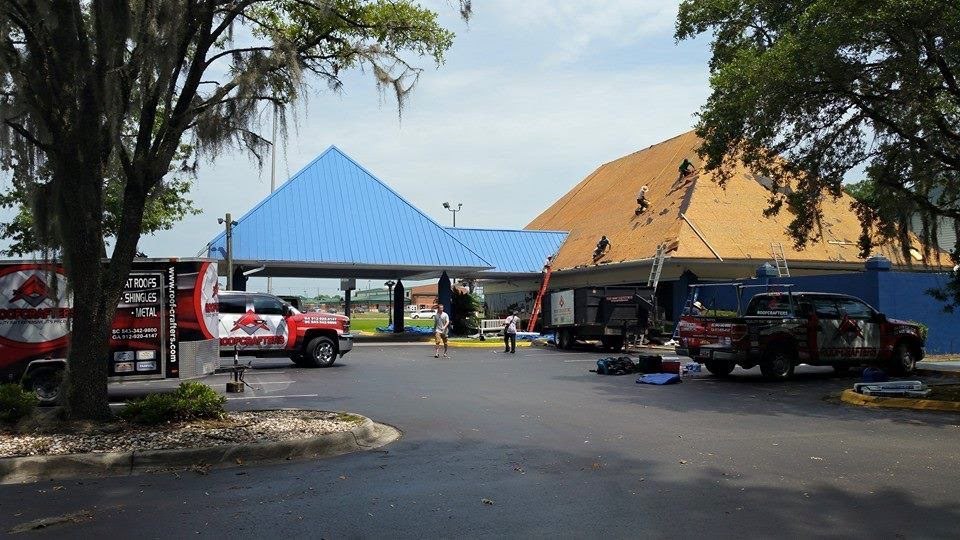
(423,314)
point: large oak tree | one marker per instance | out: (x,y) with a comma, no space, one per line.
(829,90)
(88,84)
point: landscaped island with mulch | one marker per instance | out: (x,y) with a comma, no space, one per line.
(123,436)
(192,416)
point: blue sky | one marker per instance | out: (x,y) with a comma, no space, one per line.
(533,96)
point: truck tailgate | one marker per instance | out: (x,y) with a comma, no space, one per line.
(707,338)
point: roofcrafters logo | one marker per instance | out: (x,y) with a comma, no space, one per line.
(33,291)
(250,323)
(32,309)
(848,329)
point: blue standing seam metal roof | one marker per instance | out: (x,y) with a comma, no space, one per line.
(363,223)
(511,251)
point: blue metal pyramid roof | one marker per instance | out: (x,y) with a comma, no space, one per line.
(511,251)
(336,215)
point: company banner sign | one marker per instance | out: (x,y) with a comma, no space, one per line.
(561,308)
(163,303)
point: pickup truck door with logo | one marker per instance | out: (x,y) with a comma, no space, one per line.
(859,324)
(271,310)
(845,330)
(251,321)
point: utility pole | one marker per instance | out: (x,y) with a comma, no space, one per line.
(229,223)
(273,173)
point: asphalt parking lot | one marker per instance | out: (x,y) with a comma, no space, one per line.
(558,451)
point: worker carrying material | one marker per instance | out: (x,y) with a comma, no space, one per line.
(686,169)
(642,202)
(602,246)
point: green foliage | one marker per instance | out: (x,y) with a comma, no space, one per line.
(924,329)
(98,99)
(464,307)
(167,204)
(15,403)
(190,401)
(809,93)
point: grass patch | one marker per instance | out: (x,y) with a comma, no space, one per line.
(370,324)
(349,417)
(945,392)
(190,401)
(15,403)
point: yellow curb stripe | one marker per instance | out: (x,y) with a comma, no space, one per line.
(853,398)
(483,344)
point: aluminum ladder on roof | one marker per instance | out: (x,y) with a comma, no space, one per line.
(654,279)
(779,259)
(538,303)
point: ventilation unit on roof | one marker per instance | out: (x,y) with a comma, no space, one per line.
(767,183)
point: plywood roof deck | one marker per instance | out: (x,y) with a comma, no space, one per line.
(729,218)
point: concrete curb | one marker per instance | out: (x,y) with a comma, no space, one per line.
(853,398)
(489,343)
(366,436)
(925,372)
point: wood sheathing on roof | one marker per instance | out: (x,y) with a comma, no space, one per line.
(730,219)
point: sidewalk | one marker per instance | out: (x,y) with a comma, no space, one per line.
(950,367)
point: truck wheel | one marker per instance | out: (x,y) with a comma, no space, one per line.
(720,368)
(47,384)
(563,339)
(777,364)
(903,360)
(320,352)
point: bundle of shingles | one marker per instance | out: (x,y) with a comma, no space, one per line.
(913,389)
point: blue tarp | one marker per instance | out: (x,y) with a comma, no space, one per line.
(416,330)
(659,378)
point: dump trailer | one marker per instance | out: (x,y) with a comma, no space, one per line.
(611,315)
(165,326)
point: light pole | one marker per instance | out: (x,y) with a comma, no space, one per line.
(273,173)
(390,285)
(229,223)
(450,207)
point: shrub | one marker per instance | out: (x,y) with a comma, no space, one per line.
(15,403)
(463,317)
(190,401)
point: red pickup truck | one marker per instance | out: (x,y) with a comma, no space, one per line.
(780,330)
(262,325)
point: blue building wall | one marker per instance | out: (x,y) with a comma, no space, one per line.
(900,295)
(903,296)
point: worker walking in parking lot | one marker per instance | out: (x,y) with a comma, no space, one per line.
(441,329)
(510,333)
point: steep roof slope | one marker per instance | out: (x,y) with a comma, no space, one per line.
(363,222)
(729,220)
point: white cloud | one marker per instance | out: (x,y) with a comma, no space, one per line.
(493,128)
(578,27)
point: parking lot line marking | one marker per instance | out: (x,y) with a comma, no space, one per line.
(272,397)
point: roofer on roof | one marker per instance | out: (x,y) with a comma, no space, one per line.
(642,201)
(602,246)
(686,169)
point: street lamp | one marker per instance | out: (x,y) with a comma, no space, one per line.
(390,285)
(450,207)
(230,223)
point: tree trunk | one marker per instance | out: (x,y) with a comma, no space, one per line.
(78,195)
